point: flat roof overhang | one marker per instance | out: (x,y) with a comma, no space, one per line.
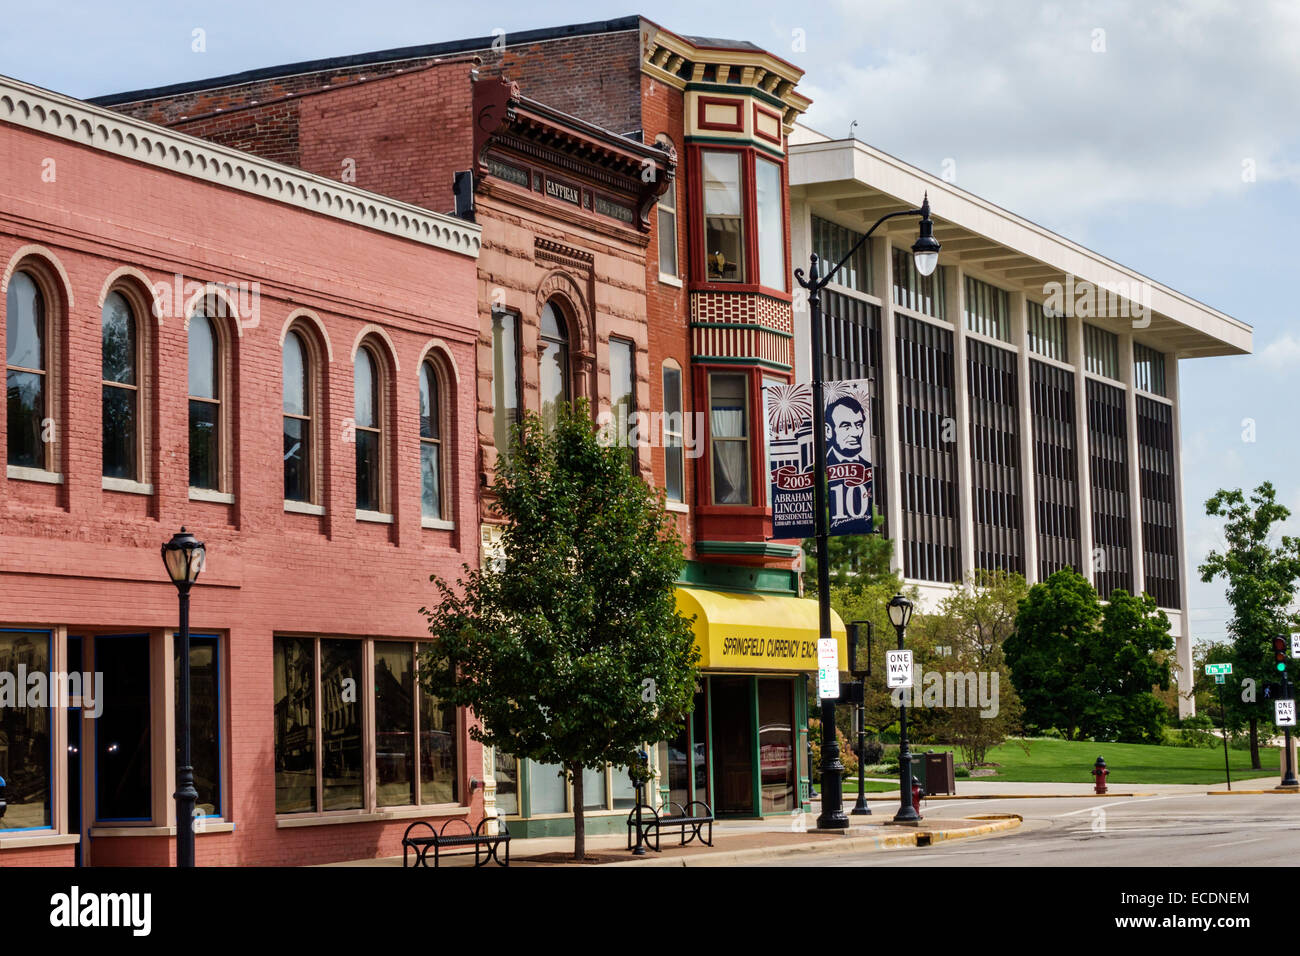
(856,184)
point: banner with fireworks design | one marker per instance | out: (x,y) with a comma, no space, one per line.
(790,457)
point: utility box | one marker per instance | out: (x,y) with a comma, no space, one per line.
(940,773)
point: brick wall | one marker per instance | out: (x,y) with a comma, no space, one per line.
(79,556)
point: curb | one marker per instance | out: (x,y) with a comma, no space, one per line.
(917,837)
(1279,791)
(1030,796)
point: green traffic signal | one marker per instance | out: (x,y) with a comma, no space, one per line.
(1281,665)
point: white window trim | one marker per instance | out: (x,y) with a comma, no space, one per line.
(207,494)
(23,473)
(126,485)
(680,507)
(439,523)
(378,517)
(303,507)
(667,279)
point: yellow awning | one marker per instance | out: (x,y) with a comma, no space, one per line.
(736,631)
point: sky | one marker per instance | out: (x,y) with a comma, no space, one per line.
(1163,134)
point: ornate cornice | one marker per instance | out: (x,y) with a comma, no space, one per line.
(53,114)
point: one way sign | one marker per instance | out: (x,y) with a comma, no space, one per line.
(898,668)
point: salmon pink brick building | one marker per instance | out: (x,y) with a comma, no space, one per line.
(283,364)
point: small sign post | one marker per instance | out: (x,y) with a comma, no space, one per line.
(898,668)
(828,669)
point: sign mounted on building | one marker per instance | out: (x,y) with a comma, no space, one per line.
(790,457)
(898,669)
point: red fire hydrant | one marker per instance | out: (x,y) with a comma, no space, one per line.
(917,793)
(1099,771)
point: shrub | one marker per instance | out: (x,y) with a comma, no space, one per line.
(961,772)
(1053,734)
(847,757)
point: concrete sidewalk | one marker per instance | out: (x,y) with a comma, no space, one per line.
(736,842)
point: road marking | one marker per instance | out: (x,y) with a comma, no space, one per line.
(1126,803)
(1215,846)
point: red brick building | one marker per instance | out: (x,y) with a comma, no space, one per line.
(699,287)
(284,364)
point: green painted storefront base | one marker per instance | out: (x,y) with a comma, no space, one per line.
(598,823)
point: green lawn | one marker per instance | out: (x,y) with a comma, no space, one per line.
(1066,761)
(872,786)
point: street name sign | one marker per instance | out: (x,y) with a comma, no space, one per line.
(898,668)
(1284,713)
(828,668)
(1218,668)
(1218,678)
(1295,645)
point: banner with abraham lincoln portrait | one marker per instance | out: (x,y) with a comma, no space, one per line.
(790,457)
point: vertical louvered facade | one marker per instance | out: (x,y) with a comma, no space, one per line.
(1108,463)
(998,526)
(928,451)
(1056,468)
(1155,426)
(851,337)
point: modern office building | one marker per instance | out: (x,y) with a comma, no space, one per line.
(1025,396)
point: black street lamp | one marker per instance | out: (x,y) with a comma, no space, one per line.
(900,613)
(183,556)
(925,252)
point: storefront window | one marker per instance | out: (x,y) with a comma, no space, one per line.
(547,789)
(123,757)
(25,737)
(733,744)
(437,750)
(724,232)
(295,730)
(205,719)
(394,724)
(776,745)
(506,772)
(771,224)
(729,423)
(340,678)
(593,789)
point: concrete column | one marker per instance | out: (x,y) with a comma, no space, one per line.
(1074,326)
(882,266)
(1183,623)
(955,294)
(1134,465)
(1028,500)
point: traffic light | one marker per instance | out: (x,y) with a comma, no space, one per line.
(1279,652)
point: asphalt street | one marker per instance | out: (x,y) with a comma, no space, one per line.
(1165,829)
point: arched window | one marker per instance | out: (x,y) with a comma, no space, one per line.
(26,372)
(368,413)
(431,483)
(297,419)
(554,362)
(205,404)
(120,406)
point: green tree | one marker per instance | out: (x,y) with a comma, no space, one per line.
(1090,670)
(571,650)
(1261,569)
(1054,624)
(970,629)
(1129,658)
(855,559)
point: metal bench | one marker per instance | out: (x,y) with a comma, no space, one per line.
(486,845)
(669,817)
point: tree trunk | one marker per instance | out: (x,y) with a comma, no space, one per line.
(1254,744)
(579,825)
